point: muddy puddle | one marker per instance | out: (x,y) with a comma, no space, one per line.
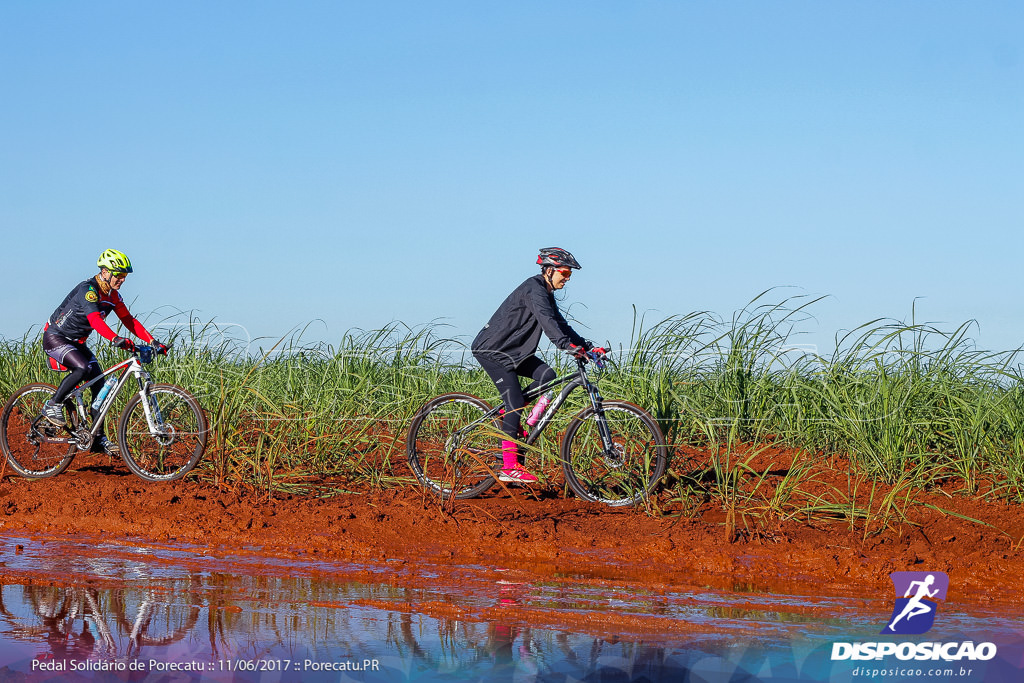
(82,610)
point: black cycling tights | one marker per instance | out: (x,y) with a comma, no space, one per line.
(78,359)
(507,382)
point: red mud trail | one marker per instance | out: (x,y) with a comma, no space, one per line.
(539,535)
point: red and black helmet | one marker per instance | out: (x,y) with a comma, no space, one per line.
(557,258)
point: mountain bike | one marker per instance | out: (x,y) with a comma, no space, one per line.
(161,433)
(612,452)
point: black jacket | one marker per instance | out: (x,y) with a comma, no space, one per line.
(513,332)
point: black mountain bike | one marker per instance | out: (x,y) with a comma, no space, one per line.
(613,452)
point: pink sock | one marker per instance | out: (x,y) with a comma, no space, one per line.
(509,455)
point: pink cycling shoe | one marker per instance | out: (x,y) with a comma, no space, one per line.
(517,475)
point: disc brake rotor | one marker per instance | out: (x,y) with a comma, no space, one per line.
(615,459)
(167,437)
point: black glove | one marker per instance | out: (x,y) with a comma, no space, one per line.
(577,351)
(124,344)
(160,347)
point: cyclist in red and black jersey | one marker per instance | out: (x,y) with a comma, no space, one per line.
(507,345)
(83,310)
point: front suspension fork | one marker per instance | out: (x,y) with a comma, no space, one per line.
(151,409)
(602,424)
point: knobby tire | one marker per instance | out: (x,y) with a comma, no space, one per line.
(168,456)
(449,464)
(23,444)
(624,477)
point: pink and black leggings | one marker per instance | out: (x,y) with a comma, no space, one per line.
(78,359)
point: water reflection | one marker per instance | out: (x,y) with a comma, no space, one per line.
(214,622)
(82,622)
(500,650)
(153,607)
(59,611)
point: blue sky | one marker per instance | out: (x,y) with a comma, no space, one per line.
(272,164)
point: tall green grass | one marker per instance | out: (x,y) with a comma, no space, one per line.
(907,405)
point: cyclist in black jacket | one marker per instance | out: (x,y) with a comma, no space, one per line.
(507,345)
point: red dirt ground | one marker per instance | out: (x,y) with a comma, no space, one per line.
(540,533)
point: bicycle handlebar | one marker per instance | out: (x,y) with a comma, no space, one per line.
(146,353)
(592,356)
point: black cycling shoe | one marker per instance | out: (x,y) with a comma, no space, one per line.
(54,414)
(104,445)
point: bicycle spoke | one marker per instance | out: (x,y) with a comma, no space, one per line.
(624,474)
(451,449)
(26,437)
(176,441)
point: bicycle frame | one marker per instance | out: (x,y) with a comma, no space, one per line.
(129,368)
(571,382)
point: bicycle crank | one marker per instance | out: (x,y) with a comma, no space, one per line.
(83,439)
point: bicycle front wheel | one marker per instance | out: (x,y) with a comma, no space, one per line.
(24,435)
(177,440)
(452,448)
(628,472)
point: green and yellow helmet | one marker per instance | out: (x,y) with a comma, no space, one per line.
(115,261)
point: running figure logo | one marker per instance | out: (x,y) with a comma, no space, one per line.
(914,613)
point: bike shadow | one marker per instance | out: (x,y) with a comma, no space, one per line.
(96,464)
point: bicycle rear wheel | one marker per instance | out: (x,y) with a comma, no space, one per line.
(624,476)
(452,448)
(24,433)
(178,442)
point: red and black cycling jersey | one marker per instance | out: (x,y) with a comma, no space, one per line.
(85,309)
(513,332)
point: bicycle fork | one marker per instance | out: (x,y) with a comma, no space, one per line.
(602,424)
(151,409)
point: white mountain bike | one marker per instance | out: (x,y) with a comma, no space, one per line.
(161,433)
